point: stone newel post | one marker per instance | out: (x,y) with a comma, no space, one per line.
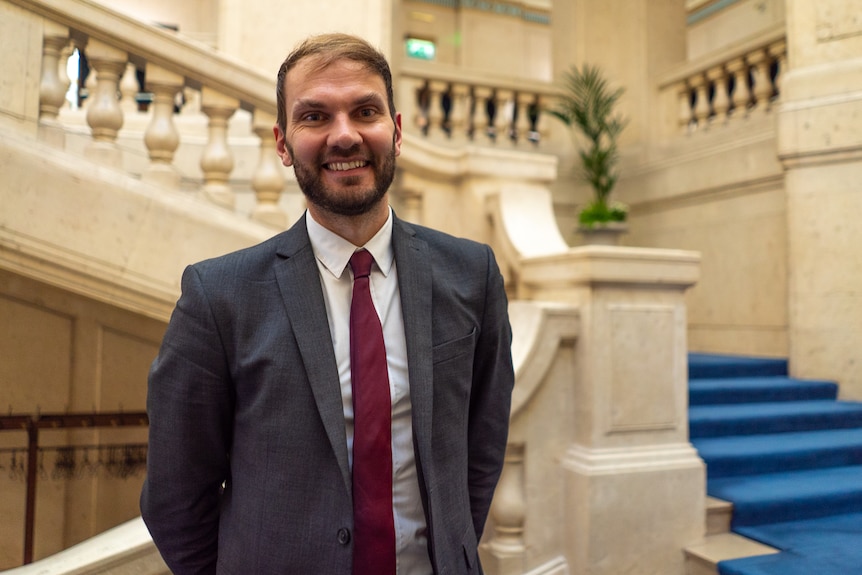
(634,485)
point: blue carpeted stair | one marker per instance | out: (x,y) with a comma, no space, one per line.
(788,455)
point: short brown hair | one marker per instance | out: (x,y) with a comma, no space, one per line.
(330,48)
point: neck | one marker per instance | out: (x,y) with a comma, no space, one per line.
(355,229)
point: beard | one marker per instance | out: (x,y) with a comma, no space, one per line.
(352,200)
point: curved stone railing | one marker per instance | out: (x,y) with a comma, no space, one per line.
(111,41)
(440,101)
(723,88)
(125,549)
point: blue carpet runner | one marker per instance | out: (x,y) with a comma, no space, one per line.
(788,455)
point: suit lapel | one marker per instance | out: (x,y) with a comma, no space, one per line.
(299,282)
(414,280)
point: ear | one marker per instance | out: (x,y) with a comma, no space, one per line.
(281,148)
(397,138)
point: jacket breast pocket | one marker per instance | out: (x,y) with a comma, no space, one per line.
(454,348)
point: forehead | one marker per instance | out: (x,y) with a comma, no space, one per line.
(313,75)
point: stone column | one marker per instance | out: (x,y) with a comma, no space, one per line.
(635,487)
(819,129)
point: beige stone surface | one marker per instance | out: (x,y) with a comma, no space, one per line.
(734,23)
(21,58)
(820,142)
(125,550)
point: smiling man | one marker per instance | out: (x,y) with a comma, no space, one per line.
(336,399)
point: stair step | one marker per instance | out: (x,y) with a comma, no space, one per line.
(718,515)
(701,365)
(790,496)
(776,417)
(773,453)
(702,558)
(822,545)
(711,391)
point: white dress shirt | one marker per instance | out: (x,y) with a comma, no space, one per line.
(332,253)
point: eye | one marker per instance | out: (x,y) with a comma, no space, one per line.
(312,117)
(368,112)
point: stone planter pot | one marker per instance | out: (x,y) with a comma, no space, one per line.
(605,234)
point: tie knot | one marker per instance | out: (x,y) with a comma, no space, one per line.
(360,263)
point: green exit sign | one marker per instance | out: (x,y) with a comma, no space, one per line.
(421,49)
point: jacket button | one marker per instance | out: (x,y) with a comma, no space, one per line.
(344,536)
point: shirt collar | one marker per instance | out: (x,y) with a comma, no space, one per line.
(334,252)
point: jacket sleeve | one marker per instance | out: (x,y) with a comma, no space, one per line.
(190,408)
(490,397)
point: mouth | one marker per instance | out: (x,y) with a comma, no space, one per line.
(345,166)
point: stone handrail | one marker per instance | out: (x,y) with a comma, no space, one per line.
(723,88)
(196,62)
(127,548)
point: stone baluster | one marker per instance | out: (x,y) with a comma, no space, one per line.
(721,98)
(482,96)
(162,137)
(435,104)
(504,102)
(686,113)
(509,511)
(411,111)
(268,179)
(217,161)
(460,94)
(759,61)
(412,201)
(778,52)
(536,118)
(104,115)
(63,72)
(423,106)
(741,94)
(129,89)
(701,104)
(89,88)
(522,120)
(52,89)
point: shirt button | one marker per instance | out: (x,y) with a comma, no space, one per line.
(344,536)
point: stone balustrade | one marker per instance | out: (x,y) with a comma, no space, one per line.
(727,87)
(446,102)
(115,47)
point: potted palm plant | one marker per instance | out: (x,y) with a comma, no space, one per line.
(587,106)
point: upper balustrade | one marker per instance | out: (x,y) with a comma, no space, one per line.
(120,51)
(724,88)
(448,103)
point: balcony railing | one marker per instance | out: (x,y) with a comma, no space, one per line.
(725,88)
(456,105)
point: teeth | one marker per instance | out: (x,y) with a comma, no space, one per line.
(341,166)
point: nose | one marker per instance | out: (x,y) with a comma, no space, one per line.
(343,133)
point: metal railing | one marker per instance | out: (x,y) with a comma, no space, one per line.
(120,460)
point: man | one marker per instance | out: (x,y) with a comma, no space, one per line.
(263,458)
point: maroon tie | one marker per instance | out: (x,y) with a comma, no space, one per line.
(373,525)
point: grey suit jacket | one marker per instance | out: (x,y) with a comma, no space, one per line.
(247,470)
